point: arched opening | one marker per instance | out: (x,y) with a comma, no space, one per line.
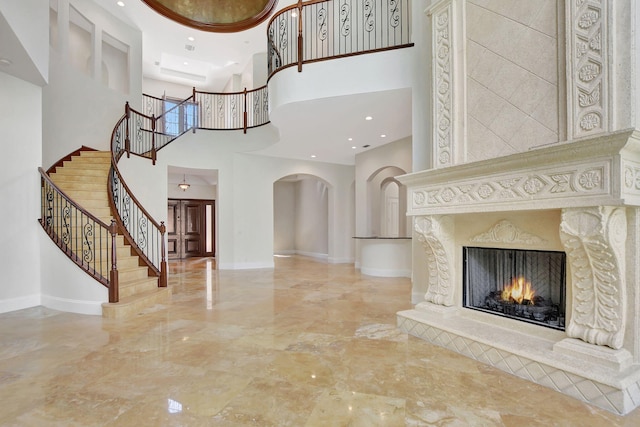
(390,208)
(301,216)
(386,204)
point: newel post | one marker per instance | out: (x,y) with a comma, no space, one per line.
(153,139)
(163,263)
(195,124)
(127,139)
(300,36)
(113,279)
(245,110)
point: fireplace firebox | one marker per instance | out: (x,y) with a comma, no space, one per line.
(527,285)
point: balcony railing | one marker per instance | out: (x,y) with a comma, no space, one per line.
(317,30)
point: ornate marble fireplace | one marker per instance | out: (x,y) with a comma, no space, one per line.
(574,189)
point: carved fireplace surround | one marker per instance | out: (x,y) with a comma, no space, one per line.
(580,196)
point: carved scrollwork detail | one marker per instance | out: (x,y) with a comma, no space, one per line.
(506,232)
(419,198)
(594,239)
(443,81)
(589,67)
(436,234)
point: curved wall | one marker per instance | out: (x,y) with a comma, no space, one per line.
(373,72)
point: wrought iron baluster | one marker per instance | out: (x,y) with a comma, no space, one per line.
(66,216)
(88,246)
(142,233)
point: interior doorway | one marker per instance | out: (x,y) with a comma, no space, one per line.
(190,228)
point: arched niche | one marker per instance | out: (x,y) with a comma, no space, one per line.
(386,203)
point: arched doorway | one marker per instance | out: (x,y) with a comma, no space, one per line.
(301,216)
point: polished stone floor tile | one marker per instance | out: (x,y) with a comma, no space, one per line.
(306,344)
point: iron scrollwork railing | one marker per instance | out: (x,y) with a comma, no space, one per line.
(234,110)
(322,29)
(84,238)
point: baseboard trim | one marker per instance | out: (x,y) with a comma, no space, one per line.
(14,304)
(73,306)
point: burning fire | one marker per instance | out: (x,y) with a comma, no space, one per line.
(518,291)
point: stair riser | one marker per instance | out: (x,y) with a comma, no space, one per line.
(133,275)
(129,309)
(133,289)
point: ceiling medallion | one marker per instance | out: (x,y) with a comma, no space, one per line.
(219,16)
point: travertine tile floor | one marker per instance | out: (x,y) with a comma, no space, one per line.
(308,344)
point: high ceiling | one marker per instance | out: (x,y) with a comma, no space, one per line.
(176,53)
(215,15)
(217,56)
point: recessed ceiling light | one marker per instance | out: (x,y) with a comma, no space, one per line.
(313,156)
(383,136)
(5,62)
(354,147)
(185,63)
(350,139)
(120,3)
(368,118)
(191,38)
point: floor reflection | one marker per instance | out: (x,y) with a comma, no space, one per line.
(304,344)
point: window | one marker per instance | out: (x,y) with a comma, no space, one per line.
(179,116)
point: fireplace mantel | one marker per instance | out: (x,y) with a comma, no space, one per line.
(595,171)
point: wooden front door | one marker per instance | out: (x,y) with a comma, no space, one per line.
(190,228)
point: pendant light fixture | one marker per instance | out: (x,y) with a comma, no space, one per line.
(183,185)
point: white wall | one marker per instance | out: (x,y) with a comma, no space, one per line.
(29,20)
(65,286)
(159,88)
(374,72)
(311,222)
(284,217)
(79,109)
(21,124)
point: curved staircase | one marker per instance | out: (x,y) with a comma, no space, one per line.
(83,177)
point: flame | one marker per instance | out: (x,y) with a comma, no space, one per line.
(518,290)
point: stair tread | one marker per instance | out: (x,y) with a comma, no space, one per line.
(135,282)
